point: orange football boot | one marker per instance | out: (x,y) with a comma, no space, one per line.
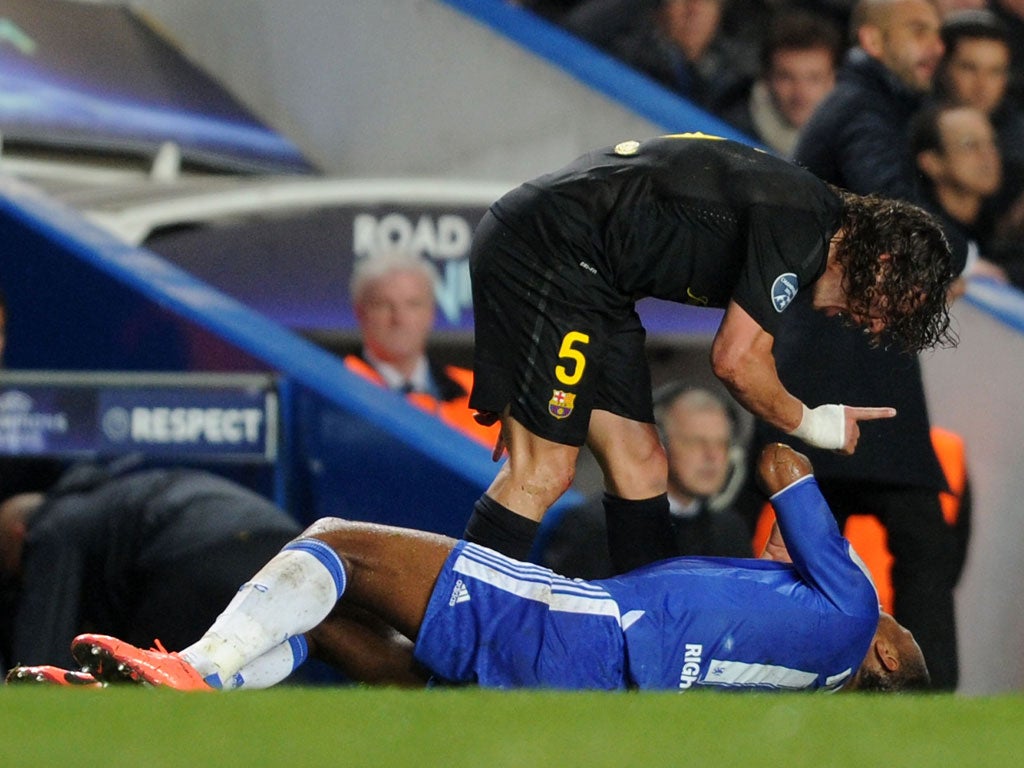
(115,661)
(49,675)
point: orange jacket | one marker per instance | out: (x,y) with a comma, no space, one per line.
(454,411)
(867,534)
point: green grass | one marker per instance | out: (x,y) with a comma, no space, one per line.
(341,727)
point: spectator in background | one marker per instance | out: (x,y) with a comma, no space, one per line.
(679,43)
(148,553)
(697,428)
(858,139)
(799,59)
(395,307)
(975,71)
(1011,12)
(955,150)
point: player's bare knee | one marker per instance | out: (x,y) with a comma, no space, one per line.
(549,483)
(324,527)
(779,466)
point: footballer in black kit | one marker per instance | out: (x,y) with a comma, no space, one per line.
(559,262)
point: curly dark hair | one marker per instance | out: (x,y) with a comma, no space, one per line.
(910,287)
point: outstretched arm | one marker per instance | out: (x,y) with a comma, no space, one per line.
(741,357)
(807,531)
(778,467)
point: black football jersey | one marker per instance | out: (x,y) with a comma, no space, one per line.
(686,218)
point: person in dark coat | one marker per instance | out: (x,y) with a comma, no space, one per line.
(151,553)
(858,139)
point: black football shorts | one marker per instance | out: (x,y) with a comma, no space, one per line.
(554,340)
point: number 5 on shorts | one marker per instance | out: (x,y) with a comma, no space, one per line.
(570,352)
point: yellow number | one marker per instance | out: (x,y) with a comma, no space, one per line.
(569,353)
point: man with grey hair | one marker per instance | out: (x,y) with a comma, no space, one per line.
(698,430)
(395,307)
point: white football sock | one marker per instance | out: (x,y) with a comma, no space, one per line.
(288,596)
(272,667)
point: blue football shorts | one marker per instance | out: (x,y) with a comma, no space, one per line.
(502,623)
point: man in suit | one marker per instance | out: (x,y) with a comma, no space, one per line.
(393,297)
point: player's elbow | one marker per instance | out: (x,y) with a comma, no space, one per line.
(730,365)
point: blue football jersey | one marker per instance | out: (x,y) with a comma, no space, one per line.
(745,623)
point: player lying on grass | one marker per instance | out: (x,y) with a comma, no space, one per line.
(804,616)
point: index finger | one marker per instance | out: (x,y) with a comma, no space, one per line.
(867,414)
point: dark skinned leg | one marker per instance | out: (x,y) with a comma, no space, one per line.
(365,649)
(390,571)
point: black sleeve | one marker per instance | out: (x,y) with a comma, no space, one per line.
(786,252)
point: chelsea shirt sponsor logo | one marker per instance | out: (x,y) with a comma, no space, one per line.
(783,290)
(692,653)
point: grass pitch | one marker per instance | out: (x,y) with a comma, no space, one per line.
(340,727)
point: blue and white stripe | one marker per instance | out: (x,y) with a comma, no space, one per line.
(300,650)
(741,674)
(534,582)
(326,556)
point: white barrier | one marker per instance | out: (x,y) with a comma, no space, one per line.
(976,390)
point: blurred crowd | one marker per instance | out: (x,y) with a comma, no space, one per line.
(764,67)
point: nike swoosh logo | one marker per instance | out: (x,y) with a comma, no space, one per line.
(702,300)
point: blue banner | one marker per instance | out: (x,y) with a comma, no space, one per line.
(171,422)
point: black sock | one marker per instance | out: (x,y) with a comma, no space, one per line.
(499,528)
(639,531)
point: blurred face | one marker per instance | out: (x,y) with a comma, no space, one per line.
(799,80)
(698,450)
(969,161)
(904,36)
(976,73)
(396,315)
(692,24)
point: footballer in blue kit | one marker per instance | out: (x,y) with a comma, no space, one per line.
(399,606)
(675,624)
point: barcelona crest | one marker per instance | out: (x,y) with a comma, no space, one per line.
(560,404)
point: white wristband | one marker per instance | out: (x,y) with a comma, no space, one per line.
(823,427)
